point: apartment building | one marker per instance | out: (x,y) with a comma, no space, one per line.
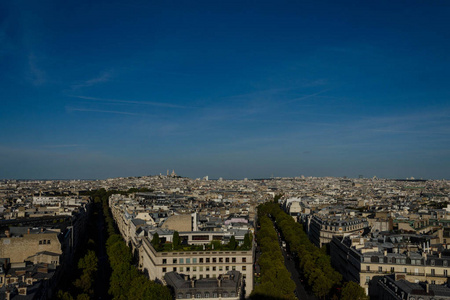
(37,245)
(360,262)
(390,289)
(196,264)
(322,228)
(227,286)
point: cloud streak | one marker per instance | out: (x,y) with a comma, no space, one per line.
(150,103)
(70,109)
(102,78)
(37,76)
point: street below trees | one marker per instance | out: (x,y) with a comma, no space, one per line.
(290,263)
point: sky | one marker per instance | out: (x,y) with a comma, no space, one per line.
(232,89)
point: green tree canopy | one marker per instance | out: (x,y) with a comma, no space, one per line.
(353,291)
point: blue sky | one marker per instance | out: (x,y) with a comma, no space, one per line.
(232,89)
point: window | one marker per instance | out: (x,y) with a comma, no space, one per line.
(214,295)
(40,242)
(48,242)
(194,269)
(445,273)
(214,268)
(244,259)
(207,275)
(227,259)
(214,259)
(201,269)
(244,268)
(206,294)
(220,268)
(181,269)
(380,269)
(432,262)
(188,260)
(194,260)
(367,279)
(433,272)
(206,269)
(225,294)
(392,269)
(221,259)
(180,296)
(164,270)
(181,260)
(201,260)
(233,259)
(233,268)
(188,269)
(174,269)
(198,295)
(164,261)
(227,268)
(367,268)
(174,261)
(45,242)
(188,295)
(207,260)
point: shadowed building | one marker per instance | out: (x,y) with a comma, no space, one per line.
(228,286)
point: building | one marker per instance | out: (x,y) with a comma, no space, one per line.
(228,286)
(24,244)
(322,228)
(360,260)
(390,289)
(196,264)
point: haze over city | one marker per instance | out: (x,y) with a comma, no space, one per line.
(232,89)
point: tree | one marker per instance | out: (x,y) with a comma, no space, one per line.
(247,242)
(232,243)
(155,241)
(353,291)
(64,295)
(176,240)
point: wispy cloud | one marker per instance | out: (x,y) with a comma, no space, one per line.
(37,75)
(305,97)
(105,111)
(62,146)
(103,77)
(150,103)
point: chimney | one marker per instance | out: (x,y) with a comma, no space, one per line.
(192,283)
(42,229)
(7,294)
(427,287)
(29,230)
(7,233)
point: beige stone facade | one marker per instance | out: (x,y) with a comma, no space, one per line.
(196,264)
(20,248)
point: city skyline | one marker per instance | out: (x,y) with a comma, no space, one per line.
(233,90)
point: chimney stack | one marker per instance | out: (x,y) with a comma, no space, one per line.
(7,233)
